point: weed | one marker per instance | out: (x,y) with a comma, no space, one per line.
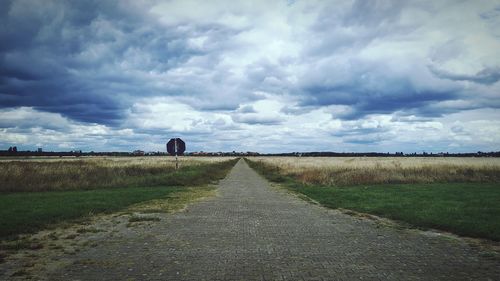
(142,218)
(20,244)
(71,236)
(88,229)
(20,272)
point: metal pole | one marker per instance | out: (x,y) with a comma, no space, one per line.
(176,160)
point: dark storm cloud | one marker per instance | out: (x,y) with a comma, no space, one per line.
(376,93)
(38,64)
(90,60)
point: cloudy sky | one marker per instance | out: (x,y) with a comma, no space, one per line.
(268,76)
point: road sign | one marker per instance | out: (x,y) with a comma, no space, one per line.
(176,146)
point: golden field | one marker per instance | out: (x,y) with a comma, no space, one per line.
(345,171)
(54,173)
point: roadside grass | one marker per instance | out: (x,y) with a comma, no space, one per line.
(350,171)
(174,201)
(25,212)
(30,211)
(468,209)
(142,219)
(92,173)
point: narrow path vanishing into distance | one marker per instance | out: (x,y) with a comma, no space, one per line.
(253,231)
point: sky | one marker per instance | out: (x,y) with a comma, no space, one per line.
(266,76)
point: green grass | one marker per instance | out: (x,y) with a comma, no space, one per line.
(24,212)
(30,211)
(469,209)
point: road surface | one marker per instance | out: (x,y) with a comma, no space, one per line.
(253,231)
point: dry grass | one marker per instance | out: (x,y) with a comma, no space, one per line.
(174,202)
(41,174)
(340,171)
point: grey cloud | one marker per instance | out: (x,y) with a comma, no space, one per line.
(358,134)
(372,89)
(410,119)
(485,76)
(246,109)
(492,14)
(359,131)
(349,27)
(90,60)
(257,119)
(373,13)
(296,110)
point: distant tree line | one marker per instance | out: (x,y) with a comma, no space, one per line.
(380,154)
(15,152)
(12,151)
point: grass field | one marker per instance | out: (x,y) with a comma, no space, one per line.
(348,171)
(54,174)
(449,200)
(28,211)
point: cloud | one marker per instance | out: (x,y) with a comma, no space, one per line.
(375,88)
(246,109)
(255,119)
(485,76)
(104,57)
(223,73)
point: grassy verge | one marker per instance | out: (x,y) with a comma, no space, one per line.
(469,209)
(23,212)
(59,175)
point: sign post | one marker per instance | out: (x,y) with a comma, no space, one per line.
(176,147)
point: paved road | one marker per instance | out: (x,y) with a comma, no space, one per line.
(252,231)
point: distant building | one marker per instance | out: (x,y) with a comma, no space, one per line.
(138,153)
(40,150)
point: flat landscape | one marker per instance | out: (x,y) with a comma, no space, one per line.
(217,219)
(249,140)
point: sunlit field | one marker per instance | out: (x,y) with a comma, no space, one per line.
(460,195)
(44,174)
(346,171)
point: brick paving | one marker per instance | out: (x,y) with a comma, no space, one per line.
(252,231)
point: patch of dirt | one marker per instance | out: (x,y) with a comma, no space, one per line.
(35,256)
